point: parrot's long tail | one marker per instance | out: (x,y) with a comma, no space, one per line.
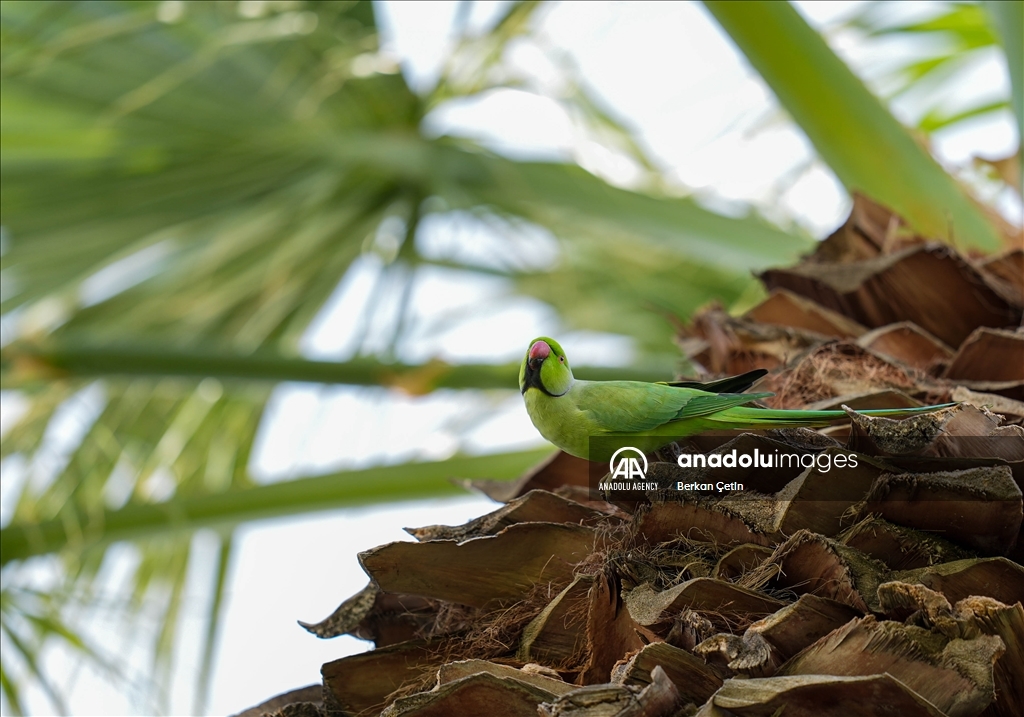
(777,418)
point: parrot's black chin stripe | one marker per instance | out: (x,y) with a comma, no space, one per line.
(533,381)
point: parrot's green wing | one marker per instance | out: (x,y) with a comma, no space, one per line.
(706,405)
(635,407)
(732,384)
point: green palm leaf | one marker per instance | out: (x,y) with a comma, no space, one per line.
(854,133)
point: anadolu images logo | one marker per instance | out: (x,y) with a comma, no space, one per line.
(627,467)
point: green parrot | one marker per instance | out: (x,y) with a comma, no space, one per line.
(568,412)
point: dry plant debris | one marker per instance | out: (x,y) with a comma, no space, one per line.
(894,588)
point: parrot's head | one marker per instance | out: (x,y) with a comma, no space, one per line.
(545,368)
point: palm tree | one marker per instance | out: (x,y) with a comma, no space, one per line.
(186,184)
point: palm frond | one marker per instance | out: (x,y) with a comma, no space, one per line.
(143,519)
(1008,19)
(950,44)
(855,134)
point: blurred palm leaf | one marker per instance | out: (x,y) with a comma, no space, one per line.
(950,45)
(951,42)
(203,175)
(1008,19)
(854,133)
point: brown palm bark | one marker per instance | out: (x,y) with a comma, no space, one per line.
(896,586)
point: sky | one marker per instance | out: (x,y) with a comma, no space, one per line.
(669,74)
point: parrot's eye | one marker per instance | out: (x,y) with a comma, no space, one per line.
(561,359)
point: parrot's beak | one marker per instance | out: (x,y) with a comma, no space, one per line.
(538,352)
